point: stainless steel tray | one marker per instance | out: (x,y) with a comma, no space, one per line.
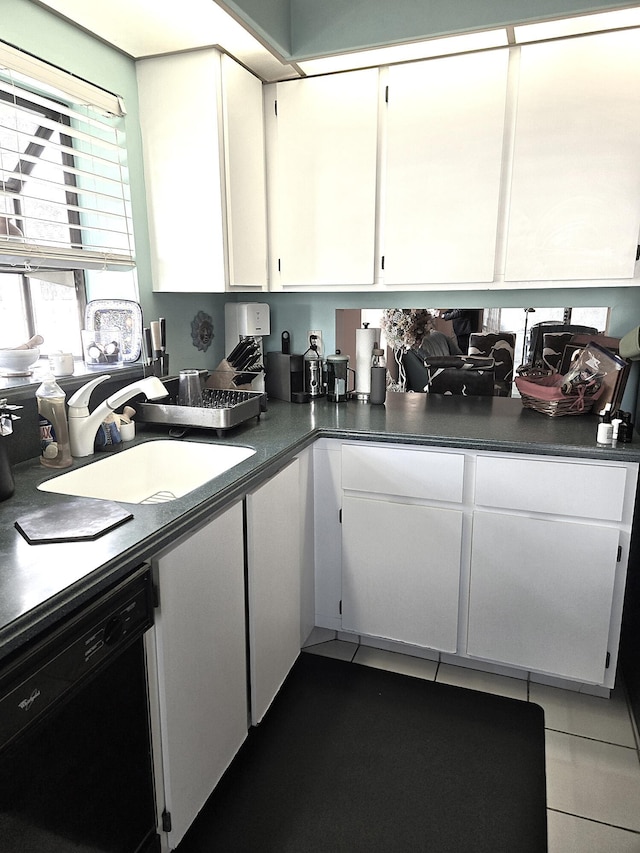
(222,410)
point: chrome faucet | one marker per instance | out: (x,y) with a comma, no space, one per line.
(83,425)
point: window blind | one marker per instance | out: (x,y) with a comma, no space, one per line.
(64,187)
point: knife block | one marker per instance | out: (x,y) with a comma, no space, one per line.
(285,377)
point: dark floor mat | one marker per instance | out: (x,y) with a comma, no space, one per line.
(353,759)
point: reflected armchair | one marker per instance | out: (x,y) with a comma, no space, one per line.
(501,347)
(536,356)
(455,374)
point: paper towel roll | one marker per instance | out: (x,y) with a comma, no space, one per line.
(366,339)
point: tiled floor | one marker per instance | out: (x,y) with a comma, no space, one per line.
(593,771)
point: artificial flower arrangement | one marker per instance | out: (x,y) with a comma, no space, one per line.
(404,329)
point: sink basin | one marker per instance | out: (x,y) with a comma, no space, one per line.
(149,473)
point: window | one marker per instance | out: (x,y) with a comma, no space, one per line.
(64,197)
(50,304)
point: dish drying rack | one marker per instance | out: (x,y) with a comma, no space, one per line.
(221,409)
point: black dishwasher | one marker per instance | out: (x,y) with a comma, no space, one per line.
(75,753)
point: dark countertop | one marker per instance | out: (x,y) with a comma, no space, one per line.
(40,584)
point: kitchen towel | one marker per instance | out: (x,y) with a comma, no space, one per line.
(352,759)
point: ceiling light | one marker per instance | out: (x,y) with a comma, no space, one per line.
(406,52)
(578,26)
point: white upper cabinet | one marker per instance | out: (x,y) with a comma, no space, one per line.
(203,150)
(445,127)
(245,176)
(575,195)
(323,180)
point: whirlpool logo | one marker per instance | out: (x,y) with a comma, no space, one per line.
(26,704)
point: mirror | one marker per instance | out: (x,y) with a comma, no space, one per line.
(517,321)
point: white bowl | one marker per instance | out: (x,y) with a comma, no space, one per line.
(17,362)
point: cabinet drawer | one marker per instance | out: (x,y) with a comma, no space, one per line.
(554,486)
(401,471)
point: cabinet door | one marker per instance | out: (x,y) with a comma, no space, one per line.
(325,179)
(575,205)
(444,155)
(244,176)
(541,594)
(551,486)
(273,552)
(401,571)
(201,652)
(180,124)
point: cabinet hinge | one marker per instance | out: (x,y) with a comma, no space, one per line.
(166,821)
(619,553)
(607,661)
(155,592)
(386,94)
(275,108)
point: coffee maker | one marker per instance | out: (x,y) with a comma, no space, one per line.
(285,374)
(313,373)
(338,371)
(295,378)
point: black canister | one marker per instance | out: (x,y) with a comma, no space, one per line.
(625,429)
(378,377)
(7,483)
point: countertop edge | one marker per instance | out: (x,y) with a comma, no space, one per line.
(287,431)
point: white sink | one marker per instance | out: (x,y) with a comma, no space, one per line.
(153,472)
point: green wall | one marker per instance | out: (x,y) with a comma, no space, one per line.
(299,312)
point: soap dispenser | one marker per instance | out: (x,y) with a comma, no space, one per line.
(54,429)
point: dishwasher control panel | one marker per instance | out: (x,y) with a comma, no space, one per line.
(48,673)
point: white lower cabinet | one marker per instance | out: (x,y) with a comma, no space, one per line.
(496,559)
(200,642)
(274,515)
(541,594)
(548,563)
(401,571)
(401,544)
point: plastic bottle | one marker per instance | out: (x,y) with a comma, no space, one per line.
(625,429)
(378,392)
(54,429)
(604,433)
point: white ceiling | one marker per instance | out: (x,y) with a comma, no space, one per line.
(149,27)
